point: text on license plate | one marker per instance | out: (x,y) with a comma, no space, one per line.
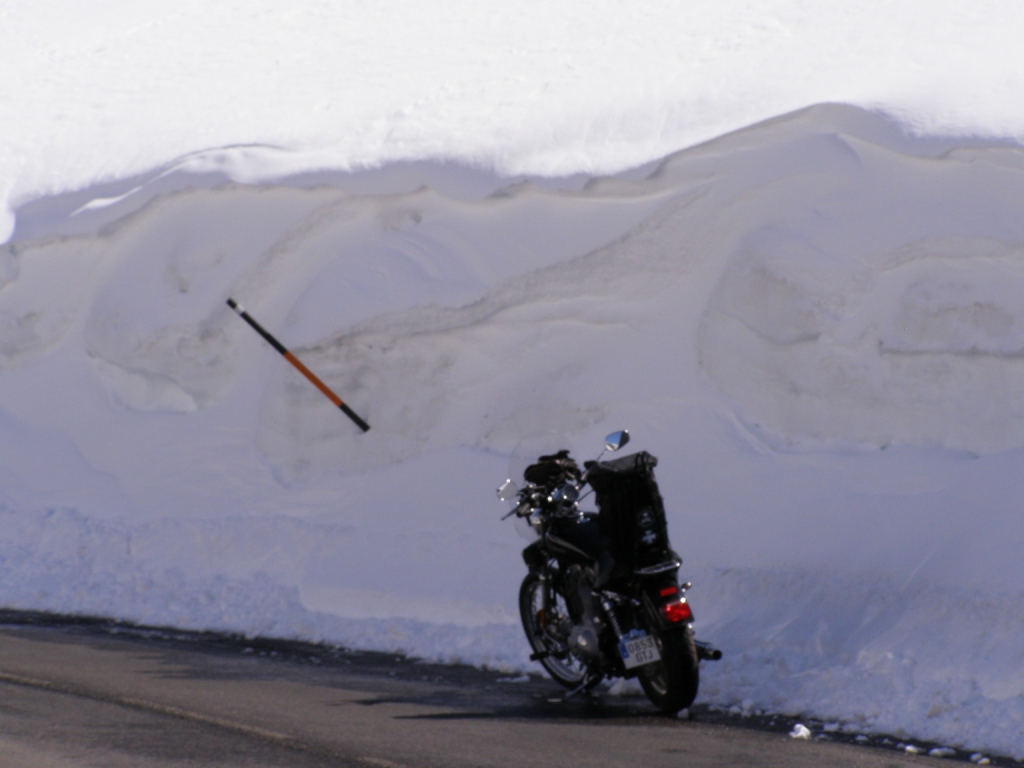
(637,650)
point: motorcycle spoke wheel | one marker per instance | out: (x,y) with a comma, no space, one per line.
(543,613)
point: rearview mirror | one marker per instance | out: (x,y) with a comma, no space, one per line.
(616,440)
(507,490)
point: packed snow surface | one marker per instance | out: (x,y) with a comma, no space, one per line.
(102,91)
(816,323)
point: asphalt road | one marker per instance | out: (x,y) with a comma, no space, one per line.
(101,695)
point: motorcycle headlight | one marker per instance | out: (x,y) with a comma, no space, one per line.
(565,494)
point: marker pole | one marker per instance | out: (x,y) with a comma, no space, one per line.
(298,364)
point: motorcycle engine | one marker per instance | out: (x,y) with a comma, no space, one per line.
(583,643)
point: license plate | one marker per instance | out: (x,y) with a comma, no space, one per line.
(637,649)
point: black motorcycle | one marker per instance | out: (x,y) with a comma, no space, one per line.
(602,597)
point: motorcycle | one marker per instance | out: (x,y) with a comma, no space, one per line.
(602,597)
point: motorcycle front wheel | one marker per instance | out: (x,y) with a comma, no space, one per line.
(671,684)
(546,621)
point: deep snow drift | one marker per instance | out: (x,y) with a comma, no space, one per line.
(816,323)
(99,92)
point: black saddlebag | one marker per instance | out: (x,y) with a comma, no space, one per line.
(632,513)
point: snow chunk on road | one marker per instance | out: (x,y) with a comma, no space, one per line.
(800,731)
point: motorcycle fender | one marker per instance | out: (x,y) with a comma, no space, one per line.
(534,557)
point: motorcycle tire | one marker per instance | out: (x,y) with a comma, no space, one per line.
(671,684)
(542,611)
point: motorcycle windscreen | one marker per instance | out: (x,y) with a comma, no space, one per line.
(526,531)
(530,447)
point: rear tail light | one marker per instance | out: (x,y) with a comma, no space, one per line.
(677,611)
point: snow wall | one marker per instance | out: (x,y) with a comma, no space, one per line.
(816,323)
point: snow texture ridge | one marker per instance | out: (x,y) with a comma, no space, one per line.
(258,90)
(816,324)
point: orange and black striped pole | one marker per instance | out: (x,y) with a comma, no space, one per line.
(295,361)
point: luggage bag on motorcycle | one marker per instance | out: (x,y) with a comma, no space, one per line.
(631,510)
(551,471)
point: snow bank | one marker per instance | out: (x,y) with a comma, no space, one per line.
(920,660)
(815,323)
(164,574)
(101,93)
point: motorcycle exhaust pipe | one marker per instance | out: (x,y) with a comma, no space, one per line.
(707,652)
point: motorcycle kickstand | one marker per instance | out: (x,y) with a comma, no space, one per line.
(581,687)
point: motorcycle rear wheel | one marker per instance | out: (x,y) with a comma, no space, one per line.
(671,684)
(542,619)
